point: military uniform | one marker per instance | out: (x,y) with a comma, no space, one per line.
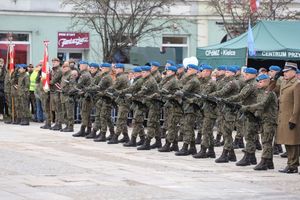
(7,93)
(14,95)
(55,102)
(23,98)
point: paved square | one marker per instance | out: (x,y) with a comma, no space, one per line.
(42,164)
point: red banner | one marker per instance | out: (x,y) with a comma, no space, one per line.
(46,68)
(72,40)
(11,58)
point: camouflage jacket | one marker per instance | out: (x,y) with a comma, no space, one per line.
(66,85)
(157,76)
(23,85)
(55,80)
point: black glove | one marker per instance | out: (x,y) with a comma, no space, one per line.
(291,125)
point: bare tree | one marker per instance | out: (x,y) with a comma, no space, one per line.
(235,14)
(120,23)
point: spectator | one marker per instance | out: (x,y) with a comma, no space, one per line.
(32,77)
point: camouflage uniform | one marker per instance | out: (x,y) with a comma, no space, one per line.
(23,98)
(7,93)
(55,102)
(14,95)
(67,102)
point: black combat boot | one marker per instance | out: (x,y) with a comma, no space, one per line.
(284,155)
(63,129)
(80,133)
(131,143)
(46,126)
(258,144)
(192,149)
(270,163)
(166,147)
(146,145)
(17,121)
(289,170)
(241,143)
(223,158)
(7,120)
(124,139)
(24,122)
(218,140)
(101,137)
(202,153)
(279,148)
(110,136)
(56,127)
(163,133)
(262,165)
(157,143)
(198,138)
(231,156)
(88,130)
(92,135)
(183,151)
(235,143)
(174,146)
(252,158)
(69,128)
(141,142)
(275,150)
(180,137)
(114,139)
(211,152)
(245,161)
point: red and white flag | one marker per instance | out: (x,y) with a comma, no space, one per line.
(254,4)
(11,67)
(46,68)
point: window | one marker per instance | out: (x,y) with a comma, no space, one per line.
(179,44)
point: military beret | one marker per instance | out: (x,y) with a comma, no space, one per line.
(262,77)
(155,63)
(171,62)
(274,68)
(172,68)
(205,66)
(290,66)
(120,65)
(193,66)
(231,69)
(17,65)
(83,62)
(237,67)
(146,68)
(221,67)
(137,69)
(180,66)
(108,65)
(22,66)
(95,65)
(250,70)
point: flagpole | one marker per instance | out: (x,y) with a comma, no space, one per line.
(10,38)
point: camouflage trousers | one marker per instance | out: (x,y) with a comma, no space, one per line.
(86,108)
(105,116)
(23,106)
(137,122)
(220,121)
(8,103)
(251,127)
(199,121)
(227,129)
(97,123)
(166,111)
(45,98)
(207,132)
(188,128)
(267,137)
(173,126)
(56,107)
(68,111)
(239,124)
(153,122)
(121,125)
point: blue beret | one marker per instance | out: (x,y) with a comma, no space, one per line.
(193,66)
(180,66)
(237,67)
(83,62)
(95,65)
(275,68)
(231,69)
(22,66)
(262,77)
(137,69)
(106,65)
(17,65)
(172,68)
(120,65)
(171,62)
(250,70)
(205,66)
(146,68)
(155,63)
(222,67)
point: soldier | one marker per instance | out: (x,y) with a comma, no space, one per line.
(2,96)
(266,109)
(8,98)
(289,117)
(67,102)
(200,115)
(169,87)
(138,109)
(229,116)
(155,72)
(248,96)
(121,83)
(23,95)
(106,105)
(45,98)
(209,115)
(190,87)
(181,77)
(55,89)
(220,83)
(14,95)
(84,81)
(149,92)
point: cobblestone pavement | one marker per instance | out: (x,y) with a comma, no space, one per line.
(43,164)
